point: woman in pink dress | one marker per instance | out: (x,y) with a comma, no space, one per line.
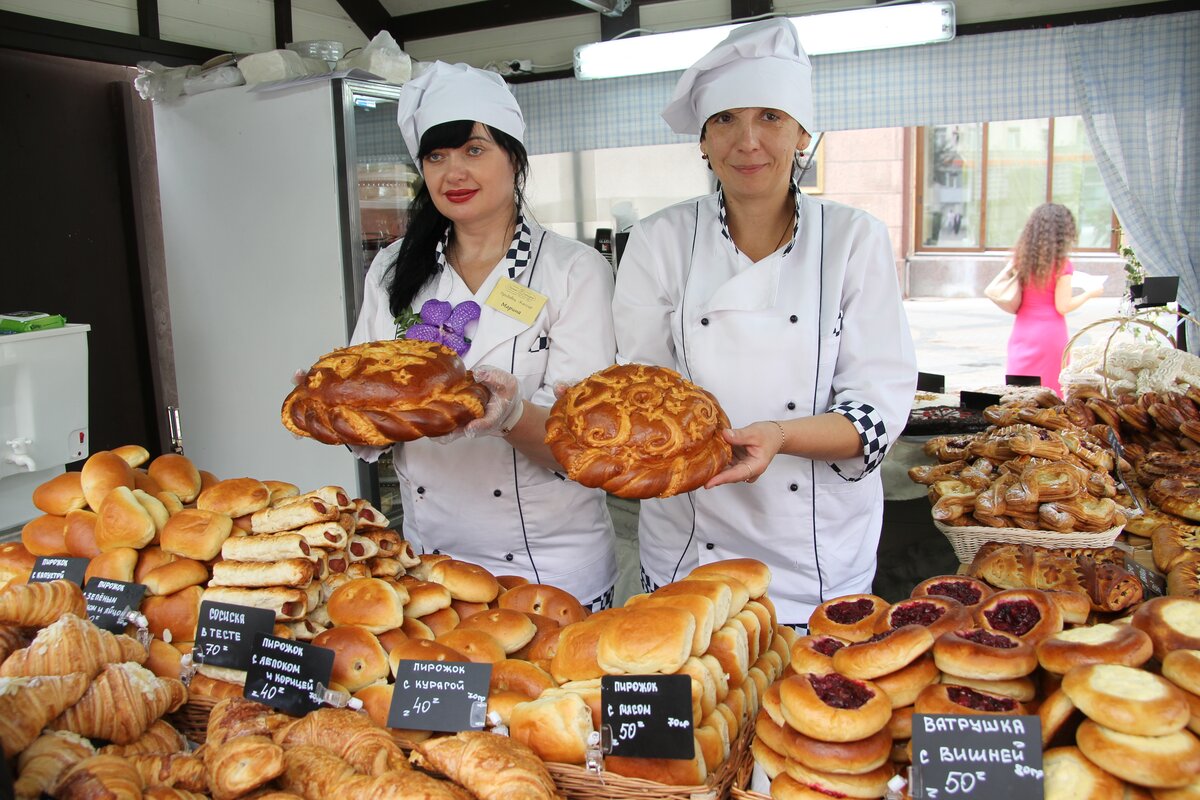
(1039,334)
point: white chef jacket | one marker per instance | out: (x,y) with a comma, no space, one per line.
(481,500)
(817,326)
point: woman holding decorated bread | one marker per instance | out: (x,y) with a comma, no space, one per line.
(787,309)
(525,308)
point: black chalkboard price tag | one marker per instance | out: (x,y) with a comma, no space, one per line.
(440,696)
(107,602)
(288,675)
(6,780)
(983,757)
(1022,380)
(58,568)
(225,634)
(931,382)
(649,716)
(1153,584)
(978,400)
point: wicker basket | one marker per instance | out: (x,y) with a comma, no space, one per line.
(746,794)
(191,718)
(967,539)
(576,783)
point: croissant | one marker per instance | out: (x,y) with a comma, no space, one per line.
(1009,566)
(171,793)
(35,605)
(100,778)
(121,703)
(242,765)
(159,739)
(235,716)
(378,393)
(72,644)
(179,770)
(40,765)
(1038,442)
(27,704)
(407,785)
(490,766)
(313,772)
(11,640)
(349,735)
(1055,419)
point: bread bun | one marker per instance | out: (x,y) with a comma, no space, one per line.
(60,494)
(833,708)
(984,655)
(422,650)
(80,535)
(942,698)
(149,559)
(868,784)
(939,614)
(376,700)
(638,431)
(814,653)
(164,660)
(174,576)
(1173,623)
(1182,668)
(204,686)
(114,565)
(415,629)
(646,640)
(176,474)
(1069,775)
(287,604)
(196,533)
(850,758)
(1075,607)
(720,592)
(359,659)
(900,724)
(101,473)
(513,675)
(1027,614)
(851,618)
(16,563)
(968,591)
(544,643)
(547,601)
(45,535)
(883,653)
(731,647)
(903,685)
(173,617)
(575,656)
(671,771)
(1059,716)
(369,602)
(511,628)
(441,621)
(1160,762)
(122,521)
(1022,689)
(556,728)
(479,647)
(772,762)
(143,481)
(465,581)
(424,597)
(281,490)
(1098,644)
(1127,699)
(132,454)
(235,497)
(754,574)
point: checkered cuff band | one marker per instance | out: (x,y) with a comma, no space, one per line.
(871,431)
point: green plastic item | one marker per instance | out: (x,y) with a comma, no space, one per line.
(26,321)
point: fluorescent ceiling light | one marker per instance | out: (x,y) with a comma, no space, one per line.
(871,28)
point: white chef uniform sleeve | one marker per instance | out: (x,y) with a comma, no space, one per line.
(642,308)
(581,328)
(876,371)
(369,328)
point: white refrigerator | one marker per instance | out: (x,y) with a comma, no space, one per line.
(273,203)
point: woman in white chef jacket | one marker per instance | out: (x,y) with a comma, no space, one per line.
(787,309)
(526,308)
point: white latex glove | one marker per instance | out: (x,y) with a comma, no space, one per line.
(452,436)
(504,407)
(298,376)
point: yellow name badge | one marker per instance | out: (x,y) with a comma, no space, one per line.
(514,300)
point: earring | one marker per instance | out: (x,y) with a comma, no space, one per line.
(704,156)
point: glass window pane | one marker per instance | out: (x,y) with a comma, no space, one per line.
(953,175)
(1076,183)
(1017,172)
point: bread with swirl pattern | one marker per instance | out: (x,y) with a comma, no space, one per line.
(378,393)
(638,431)
(1108,586)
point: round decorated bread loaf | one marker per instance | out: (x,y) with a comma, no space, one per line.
(378,393)
(638,431)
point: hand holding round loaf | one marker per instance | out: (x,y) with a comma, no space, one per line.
(378,393)
(638,431)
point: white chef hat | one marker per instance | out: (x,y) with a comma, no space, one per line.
(449,92)
(760,65)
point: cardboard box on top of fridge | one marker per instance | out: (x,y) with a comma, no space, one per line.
(382,57)
(275,65)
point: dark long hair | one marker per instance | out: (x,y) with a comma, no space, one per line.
(1046,240)
(416,262)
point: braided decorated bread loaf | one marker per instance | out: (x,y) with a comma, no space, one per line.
(378,393)
(638,431)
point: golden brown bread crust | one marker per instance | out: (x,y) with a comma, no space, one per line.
(638,431)
(378,393)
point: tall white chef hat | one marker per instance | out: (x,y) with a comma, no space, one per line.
(760,65)
(449,92)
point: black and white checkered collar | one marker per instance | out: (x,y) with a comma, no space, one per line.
(723,218)
(517,257)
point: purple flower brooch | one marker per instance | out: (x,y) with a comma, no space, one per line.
(441,322)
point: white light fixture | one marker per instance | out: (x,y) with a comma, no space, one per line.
(871,28)
(609,8)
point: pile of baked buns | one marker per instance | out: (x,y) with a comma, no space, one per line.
(840,720)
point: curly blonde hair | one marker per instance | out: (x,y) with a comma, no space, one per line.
(1047,239)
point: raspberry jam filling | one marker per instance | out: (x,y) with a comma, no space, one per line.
(916,614)
(827,646)
(1018,617)
(979,702)
(879,637)
(839,691)
(850,613)
(965,593)
(987,639)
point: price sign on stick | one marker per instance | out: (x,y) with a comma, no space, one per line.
(440,696)
(225,633)
(287,675)
(108,601)
(649,716)
(58,568)
(982,757)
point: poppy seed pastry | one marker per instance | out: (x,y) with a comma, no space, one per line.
(638,431)
(378,393)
